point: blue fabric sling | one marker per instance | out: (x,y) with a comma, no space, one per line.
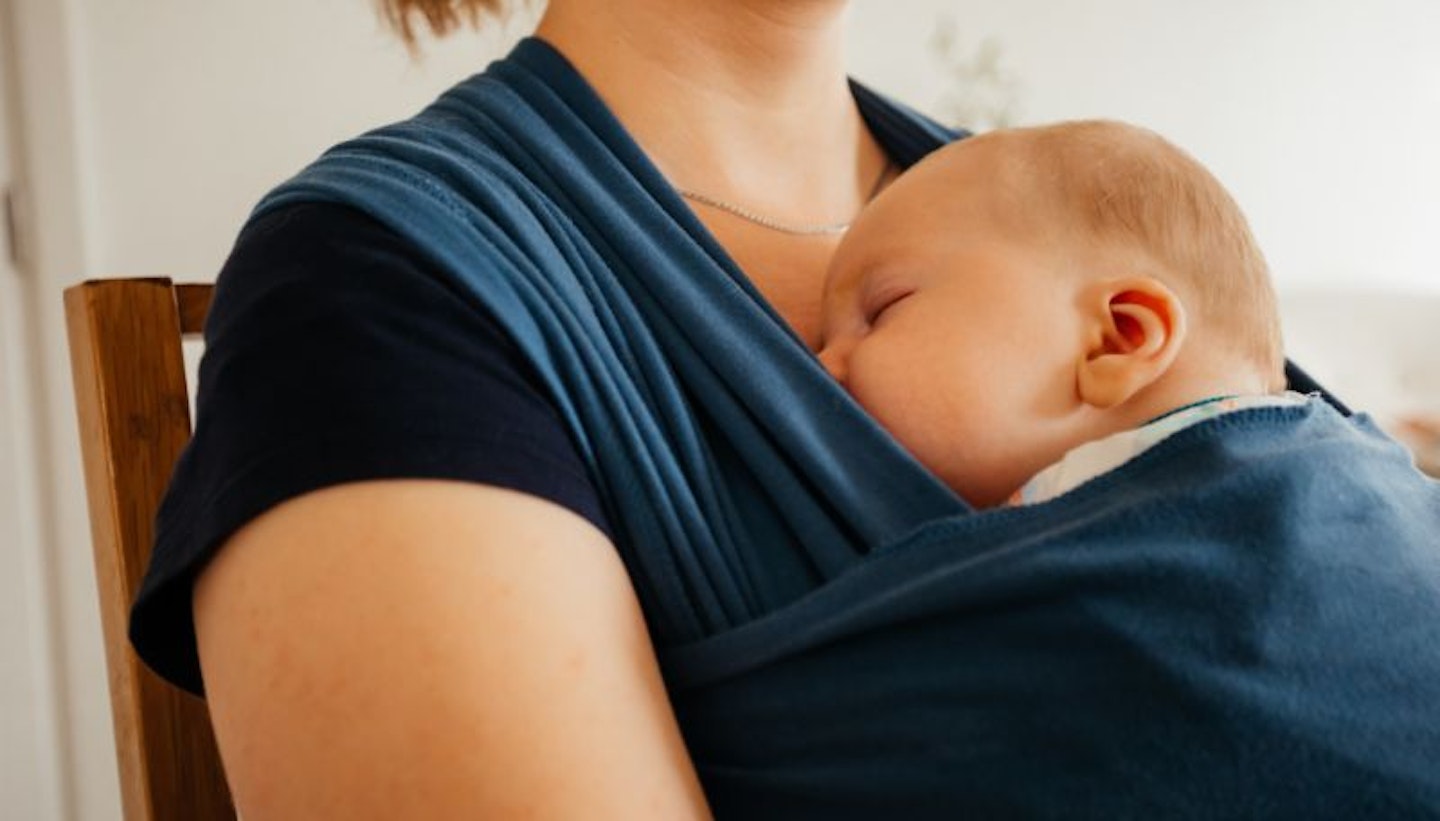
(1243,621)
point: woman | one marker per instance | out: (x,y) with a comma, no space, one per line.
(510,408)
(341,630)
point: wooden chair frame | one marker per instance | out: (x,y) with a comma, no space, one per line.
(134,412)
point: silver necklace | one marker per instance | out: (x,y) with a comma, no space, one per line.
(823,229)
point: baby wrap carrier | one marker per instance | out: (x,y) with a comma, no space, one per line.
(1244,618)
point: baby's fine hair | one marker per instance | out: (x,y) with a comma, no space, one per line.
(1120,185)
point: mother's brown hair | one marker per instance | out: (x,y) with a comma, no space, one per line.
(440,16)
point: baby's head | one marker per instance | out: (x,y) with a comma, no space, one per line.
(1019,293)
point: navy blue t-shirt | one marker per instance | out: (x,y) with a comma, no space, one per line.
(334,355)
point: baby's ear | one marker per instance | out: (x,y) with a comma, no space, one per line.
(1135,327)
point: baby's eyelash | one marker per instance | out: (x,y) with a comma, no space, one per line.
(882,301)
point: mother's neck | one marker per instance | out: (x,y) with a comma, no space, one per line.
(732,97)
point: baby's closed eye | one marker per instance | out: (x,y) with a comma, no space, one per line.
(883,300)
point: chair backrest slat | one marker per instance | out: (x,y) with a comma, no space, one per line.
(193,301)
(125,350)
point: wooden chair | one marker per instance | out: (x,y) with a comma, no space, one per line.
(125,352)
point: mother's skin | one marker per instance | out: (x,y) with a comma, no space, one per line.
(431,649)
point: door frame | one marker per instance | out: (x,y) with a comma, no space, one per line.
(48,135)
(34,766)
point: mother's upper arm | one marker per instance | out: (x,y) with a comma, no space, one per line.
(432,649)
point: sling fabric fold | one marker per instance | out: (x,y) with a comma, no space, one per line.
(1244,616)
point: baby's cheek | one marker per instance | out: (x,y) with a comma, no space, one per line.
(928,427)
(948,430)
(913,411)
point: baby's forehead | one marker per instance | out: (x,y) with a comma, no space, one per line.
(971,186)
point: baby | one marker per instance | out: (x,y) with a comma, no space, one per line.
(1027,309)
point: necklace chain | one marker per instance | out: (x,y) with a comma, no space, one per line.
(821,229)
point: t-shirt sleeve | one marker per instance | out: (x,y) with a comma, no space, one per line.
(334,353)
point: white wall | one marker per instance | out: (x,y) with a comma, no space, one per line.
(200,107)
(152,126)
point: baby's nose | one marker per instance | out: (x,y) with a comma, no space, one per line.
(832,359)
